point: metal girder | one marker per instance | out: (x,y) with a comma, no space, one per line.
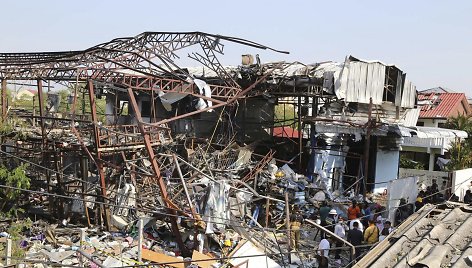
(146,59)
(157,172)
(4,99)
(98,162)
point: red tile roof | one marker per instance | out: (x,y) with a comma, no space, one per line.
(286,132)
(443,105)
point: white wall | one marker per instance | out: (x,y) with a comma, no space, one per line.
(401,188)
(386,169)
(431,122)
(461,181)
(424,176)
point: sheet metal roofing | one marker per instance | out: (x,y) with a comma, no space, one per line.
(442,105)
(435,236)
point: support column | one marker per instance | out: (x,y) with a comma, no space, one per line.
(4,99)
(431,161)
(96,131)
(45,155)
(300,133)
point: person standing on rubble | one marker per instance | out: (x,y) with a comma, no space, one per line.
(366,214)
(340,230)
(371,234)
(419,201)
(353,212)
(331,219)
(468,197)
(296,220)
(387,229)
(323,251)
(324,212)
(355,237)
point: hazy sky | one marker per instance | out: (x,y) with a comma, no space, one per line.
(430,40)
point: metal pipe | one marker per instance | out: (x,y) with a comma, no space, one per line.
(91,258)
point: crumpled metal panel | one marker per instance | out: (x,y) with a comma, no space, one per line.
(360,81)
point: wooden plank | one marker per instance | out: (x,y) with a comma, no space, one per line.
(196,256)
(161,258)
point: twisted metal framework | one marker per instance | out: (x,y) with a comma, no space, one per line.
(144,62)
(141,63)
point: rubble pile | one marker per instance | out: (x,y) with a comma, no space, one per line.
(230,200)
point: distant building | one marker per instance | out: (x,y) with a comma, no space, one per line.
(26,94)
(438,104)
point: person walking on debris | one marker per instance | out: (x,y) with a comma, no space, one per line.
(371,234)
(296,220)
(340,230)
(353,212)
(355,237)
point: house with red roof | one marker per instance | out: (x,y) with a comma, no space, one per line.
(438,104)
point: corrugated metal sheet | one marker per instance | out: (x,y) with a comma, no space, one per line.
(435,132)
(360,81)
(409,94)
(441,105)
(410,118)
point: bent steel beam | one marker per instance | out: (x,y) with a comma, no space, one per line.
(157,173)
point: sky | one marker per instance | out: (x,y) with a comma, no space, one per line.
(429,40)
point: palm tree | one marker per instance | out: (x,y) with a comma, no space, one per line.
(461,150)
(460,122)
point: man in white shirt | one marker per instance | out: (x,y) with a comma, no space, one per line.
(361,227)
(323,247)
(339,230)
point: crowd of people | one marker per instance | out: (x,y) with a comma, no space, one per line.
(362,226)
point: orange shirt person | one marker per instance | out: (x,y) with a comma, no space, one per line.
(353,211)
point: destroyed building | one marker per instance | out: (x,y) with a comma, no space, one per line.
(201,150)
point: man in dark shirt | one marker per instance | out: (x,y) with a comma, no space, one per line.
(324,212)
(355,237)
(468,197)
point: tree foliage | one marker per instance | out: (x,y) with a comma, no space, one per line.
(461,150)
(405,162)
(13,182)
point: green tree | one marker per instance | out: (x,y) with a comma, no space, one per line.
(14,182)
(461,150)
(405,162)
